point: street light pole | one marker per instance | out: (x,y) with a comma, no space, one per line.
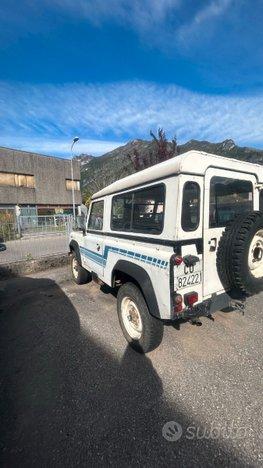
(72,177)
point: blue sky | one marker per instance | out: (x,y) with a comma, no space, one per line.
(111,70)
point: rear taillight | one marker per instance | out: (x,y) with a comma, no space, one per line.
(178,303)
(191,298)
(176,259)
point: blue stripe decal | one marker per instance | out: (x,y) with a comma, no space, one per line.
(101,260)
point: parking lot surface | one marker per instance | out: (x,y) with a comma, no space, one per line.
(28,248)
(74,394)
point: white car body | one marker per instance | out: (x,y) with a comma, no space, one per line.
(149,257)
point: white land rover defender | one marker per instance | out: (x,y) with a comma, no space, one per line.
(181,239)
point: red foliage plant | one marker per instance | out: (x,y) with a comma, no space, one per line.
(163,150)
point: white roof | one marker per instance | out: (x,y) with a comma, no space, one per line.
(192,162)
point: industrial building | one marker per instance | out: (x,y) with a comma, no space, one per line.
(36,185)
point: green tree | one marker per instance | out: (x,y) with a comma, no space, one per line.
(86,197)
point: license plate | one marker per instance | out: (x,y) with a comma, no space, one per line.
(191,279)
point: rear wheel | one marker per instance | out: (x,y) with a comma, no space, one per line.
(142,331)
(79,274)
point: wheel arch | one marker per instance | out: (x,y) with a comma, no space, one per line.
(74,246)
(128,271)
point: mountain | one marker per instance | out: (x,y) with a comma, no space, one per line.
(84,158)
(100,171)
(226,148)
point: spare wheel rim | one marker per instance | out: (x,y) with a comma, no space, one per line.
(131,318)
(255,255)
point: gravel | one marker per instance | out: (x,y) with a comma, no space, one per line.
(73,393)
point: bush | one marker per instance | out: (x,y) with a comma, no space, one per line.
(8,227)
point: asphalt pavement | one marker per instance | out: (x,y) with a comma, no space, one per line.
(28,248)
(74,394)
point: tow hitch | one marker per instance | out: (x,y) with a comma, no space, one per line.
(239,305)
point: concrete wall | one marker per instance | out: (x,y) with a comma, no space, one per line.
(50,179)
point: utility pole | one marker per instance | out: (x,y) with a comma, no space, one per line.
(72,178)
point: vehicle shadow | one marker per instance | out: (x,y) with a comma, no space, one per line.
(66,401)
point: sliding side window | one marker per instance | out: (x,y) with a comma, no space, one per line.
(121,212)
(148,210)
(140,211)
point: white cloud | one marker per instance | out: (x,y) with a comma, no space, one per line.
(120,111)
(205,15)
(59,146)
(173,26)
(139,14)
(211,10)
(157,22)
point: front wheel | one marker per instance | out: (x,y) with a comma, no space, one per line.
(79,274)
(142,331)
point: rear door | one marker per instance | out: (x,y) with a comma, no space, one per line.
(92,249)
(227,194)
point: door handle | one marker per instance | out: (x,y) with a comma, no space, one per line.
(213,244)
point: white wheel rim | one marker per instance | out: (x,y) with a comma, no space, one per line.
(255,255)
(75,269)
(131,318)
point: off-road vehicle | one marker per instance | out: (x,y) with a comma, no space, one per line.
(181,239)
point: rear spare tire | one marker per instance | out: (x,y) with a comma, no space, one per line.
(240,254)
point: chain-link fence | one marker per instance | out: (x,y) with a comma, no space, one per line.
(38,225)
(31,237)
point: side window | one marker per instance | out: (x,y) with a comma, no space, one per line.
(148,210)
(96,216)
(261,200)
(140,211)
(121,212)
(228,198)
(191,206)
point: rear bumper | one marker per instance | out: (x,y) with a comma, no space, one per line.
(207,307)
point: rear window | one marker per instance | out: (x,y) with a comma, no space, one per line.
(228,198)
(191,206)
(140,211)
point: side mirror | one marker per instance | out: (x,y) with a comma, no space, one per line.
(2,247)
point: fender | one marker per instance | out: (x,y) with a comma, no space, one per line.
(75,246)
(140,276)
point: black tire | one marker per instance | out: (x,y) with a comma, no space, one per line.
(152,328)
(233,255)
(79,274)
